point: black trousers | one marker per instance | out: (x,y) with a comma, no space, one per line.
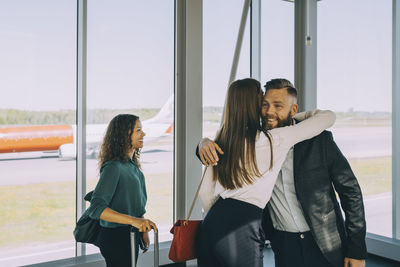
(231,235)
(297,249)
(115,246)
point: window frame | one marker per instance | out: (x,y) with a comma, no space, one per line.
(188,112)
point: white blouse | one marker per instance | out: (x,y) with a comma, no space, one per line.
(311,124)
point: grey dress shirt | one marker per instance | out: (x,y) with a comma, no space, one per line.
(285,210)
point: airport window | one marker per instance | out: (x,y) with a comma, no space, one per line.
(37,114)
(219,40)
(130,70)
(277,40)
(355,80)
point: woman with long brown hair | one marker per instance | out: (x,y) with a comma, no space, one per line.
(119,198)
(235,192)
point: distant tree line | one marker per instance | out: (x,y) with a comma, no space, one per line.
(26,117)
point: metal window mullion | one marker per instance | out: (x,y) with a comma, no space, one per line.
(194,100)
(80,248)
(239,41)
(396,119)
(179,93)
(238,47)
(188,103)
(255,40)
(305,59)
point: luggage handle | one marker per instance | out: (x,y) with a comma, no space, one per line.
(133,232)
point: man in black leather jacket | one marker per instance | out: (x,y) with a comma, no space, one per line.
(303,219)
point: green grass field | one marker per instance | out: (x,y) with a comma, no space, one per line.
(374,174)
(46,212)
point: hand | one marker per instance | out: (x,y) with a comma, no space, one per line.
(146,240)
(208,152)
(144,225)
(349,262)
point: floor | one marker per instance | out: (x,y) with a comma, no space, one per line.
(372,261)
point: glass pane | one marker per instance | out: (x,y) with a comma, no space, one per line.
(37,84)
(219,41)
(277,40)
(131,70)
(354,79)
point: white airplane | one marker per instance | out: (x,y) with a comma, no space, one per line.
(62,138)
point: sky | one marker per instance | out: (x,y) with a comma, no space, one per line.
(131,52)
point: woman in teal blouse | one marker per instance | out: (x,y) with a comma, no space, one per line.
(119,198)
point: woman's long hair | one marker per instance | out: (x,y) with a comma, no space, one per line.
(237,135)
(117,141)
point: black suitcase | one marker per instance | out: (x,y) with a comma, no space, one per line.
(133,248)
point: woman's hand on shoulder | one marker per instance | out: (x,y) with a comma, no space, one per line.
(144,225)
(208,152)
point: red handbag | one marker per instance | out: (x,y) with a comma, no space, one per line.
(184,231)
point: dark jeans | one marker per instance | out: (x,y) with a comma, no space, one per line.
(115,246)
(297,249)
(231,236)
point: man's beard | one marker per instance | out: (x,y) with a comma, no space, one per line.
(281,122)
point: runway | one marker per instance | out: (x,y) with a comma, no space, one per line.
(364,142)
(43,170)
(378,214)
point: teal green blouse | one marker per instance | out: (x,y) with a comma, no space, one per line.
(121,187)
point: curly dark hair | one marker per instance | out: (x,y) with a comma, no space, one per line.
(117,140)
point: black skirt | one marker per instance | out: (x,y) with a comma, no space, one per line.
(231,235)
